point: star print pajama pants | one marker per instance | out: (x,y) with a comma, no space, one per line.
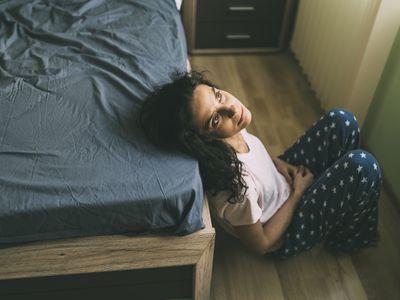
(340,208)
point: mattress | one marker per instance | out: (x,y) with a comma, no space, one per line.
(73,161)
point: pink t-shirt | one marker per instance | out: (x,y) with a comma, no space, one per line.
(267,191)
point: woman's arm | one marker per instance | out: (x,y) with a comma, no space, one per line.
(268,237)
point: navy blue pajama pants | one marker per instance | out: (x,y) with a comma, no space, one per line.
(340,208)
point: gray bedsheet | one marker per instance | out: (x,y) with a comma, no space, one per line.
(72,160)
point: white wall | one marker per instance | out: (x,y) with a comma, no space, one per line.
(342,46)
(380,43)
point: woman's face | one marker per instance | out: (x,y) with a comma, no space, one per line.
(217,113)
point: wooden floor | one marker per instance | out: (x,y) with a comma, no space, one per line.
(283,106)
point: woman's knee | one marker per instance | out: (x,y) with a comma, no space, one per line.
(344,119)
(364,162)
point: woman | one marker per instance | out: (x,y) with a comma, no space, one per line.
(323,188)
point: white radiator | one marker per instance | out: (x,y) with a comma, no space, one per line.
(329,42)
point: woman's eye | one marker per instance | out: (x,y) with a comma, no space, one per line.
(215,120)
(219,96)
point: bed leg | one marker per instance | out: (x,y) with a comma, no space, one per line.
(203,272)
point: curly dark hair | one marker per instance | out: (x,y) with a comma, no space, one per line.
(166,118)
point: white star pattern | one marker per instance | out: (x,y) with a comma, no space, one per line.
(307,161)
(348,196)
(351,178)
(328,174)
(314,191)
(353,133)
(324,187)
(341,112)
(347,123)
(375,166)
(334,190)
(319,148)
(364,180)
(313,201)
(301,151)
(295,155)
(332,114)
(341,183)
(318,133)
(334,137)
(325,203)
(345,165)
(336,166)
(326,128)
(351,155)
(308,139)
(301,214)
(359,168)
(333,125)
(363,155)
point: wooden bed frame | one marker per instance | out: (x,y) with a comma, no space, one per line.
(117,266)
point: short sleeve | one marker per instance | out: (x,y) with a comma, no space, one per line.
(246,212)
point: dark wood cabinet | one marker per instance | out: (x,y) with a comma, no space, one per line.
(235,25)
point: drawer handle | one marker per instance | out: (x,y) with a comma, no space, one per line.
(238,36)
(241,8)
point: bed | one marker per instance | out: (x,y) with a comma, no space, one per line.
(87,206)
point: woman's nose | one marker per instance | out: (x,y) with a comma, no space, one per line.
(230,110)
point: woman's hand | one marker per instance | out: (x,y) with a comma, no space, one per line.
(302,180)
(287,170)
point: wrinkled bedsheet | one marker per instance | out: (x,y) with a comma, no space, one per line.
(73,161)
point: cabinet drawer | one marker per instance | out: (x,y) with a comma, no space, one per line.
(240,10)
(235,35)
